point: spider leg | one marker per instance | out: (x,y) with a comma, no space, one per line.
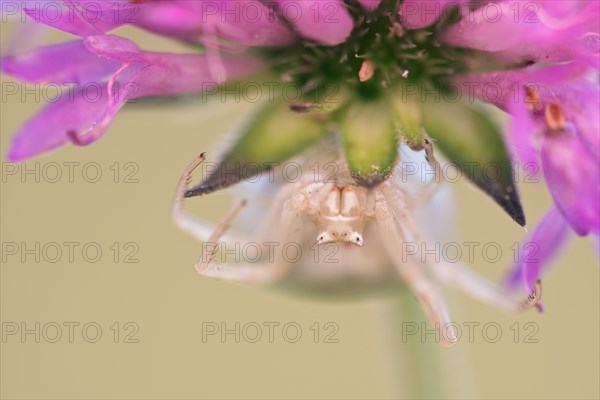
(395,198)
(434,184)
(213,237)
(241,271)
(464,278)
(307,200)
(412,274)
(456,274)
(290,202)
(430,187)
(260,272)
(196,227)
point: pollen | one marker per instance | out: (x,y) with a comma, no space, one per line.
(367,70)
(533,99)
(555,117)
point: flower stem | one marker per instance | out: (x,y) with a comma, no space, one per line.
(419,366)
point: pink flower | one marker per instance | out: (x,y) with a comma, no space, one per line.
(105,72)
(539,53)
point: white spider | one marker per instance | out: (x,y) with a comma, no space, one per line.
(369,224)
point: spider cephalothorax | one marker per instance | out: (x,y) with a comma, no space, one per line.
(342,214)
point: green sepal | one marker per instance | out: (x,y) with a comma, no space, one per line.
(370,142)
(406,114)
(470,138)
(323,100)
(273,136)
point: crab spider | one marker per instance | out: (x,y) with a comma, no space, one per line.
(370,225)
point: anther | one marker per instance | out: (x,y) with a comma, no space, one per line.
(555,117)
(535,297)
(367,70)
(77,140)
(397,30)
(533,100)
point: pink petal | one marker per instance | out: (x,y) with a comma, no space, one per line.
(173,18)
(64,63)
(172,74)
(247,22)
(581,101)
(416,14)
(369,5)
(76,111)
(573,178)
(82,17)
(563,83)
(85,117)
(327,22)
(524,133)
(544,30)
(538,249)
(114,48)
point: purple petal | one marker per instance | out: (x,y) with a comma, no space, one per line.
(581,101)
(114,48)
(24,37)
(416,14)
(538,249)
(563,84)
(82,18)
(573,178)
(247,23)
(84,116)
(76,111)
(64,63)
(369,5)
(547,30)
(171,74)
(500,87)
(327,22)
(175,74)
(524,133)
(174,18)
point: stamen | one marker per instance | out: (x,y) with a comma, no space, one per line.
(397,30)
(367,70)
(75,139)
(555,117)
(302,107)
(533,99)
(535,297)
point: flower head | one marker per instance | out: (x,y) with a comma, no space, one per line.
(377,72)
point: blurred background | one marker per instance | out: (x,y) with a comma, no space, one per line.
(134,318)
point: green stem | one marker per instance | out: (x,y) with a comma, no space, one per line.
(419,367)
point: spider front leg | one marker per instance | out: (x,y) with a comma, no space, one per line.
(411,273)
(395,198)
(438,176)
(264,272)
(291,200)
(244,271)
(470,282)
(215,236)
(187,222)
(456,273)
(429,188)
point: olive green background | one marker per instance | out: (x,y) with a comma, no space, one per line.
(162,295)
